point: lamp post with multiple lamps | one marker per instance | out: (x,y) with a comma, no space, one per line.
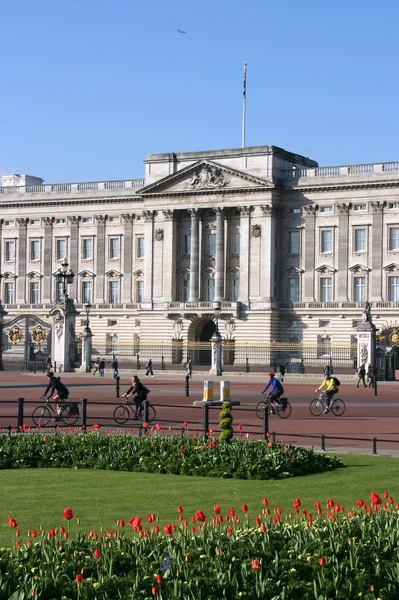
(216,341)
(64,315)
(87,341)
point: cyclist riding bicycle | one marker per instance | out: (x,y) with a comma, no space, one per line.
(138,392)
(276,391)
(62,393)
(331,384)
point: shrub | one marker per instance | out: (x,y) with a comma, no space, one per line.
(226,423)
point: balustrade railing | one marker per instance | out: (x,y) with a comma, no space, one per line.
(73,187)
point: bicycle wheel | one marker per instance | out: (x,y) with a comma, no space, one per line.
(260,409)
(316,407)
(284,413)
(338,407)
(151,413)
(41,415)
(67,418)
(121,414)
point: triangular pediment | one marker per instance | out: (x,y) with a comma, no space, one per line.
(359,269)
(294,271)
(205,177)
(33,275)
(113,273)
(9,275)
(391,267)
(325,269)
(86,274)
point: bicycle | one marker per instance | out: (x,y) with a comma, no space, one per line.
(43,414)
(318,405)
(123,413)
(273,408)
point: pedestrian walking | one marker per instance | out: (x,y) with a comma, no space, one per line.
(49,366)
(361,374)
(101,367)
(371,376)
(114,366)
(148,367)
(96,365)
(189,368)
(282,371)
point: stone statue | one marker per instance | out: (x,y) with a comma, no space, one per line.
(366,317)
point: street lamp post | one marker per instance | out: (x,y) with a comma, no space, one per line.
(64,277)
(87,341)
(63,346)
(216,340)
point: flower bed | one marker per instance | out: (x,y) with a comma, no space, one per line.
(324,554)
(157,453)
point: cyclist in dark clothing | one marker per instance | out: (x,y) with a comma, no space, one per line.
(138,392)
(61,391)
(276,391)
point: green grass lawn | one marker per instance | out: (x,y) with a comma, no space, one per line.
(37,497)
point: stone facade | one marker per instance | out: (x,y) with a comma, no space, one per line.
(291,250)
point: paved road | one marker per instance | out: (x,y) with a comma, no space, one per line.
(367,416)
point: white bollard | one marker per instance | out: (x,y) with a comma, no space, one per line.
(225,391)
(208,391)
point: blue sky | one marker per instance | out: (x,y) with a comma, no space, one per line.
(88,88)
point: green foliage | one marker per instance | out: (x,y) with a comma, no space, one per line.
(226,423)
(157,453)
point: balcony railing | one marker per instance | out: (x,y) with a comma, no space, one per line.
(85,186)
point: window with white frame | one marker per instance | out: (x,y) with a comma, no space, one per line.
(394,205)
(393,239)
(113,292)
(211,243)
(9,292)
(9,223)
(294,242)
(35,250)
(34,292)
(87,220)
(140,247)
(326,237)
(87,248)
(236,242)
(139,291)
(60,221)
(10,250)
(114,219)
(87,291)
(236,289)
(359,207)
(393,289)
(359,289)
(114,248)
(34,222)
(187,244)
(60,248)
(186,290)
(210,289)
(325,289)
(293,289)
(326,209)
(360,240)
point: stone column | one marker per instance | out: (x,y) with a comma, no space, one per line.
(245,212)
(21,292)
(366,344)
(194,255)
(219,274)
(46,261)
(148,257)
(375,283)
(343,245)
(87,342)
(216,341)
(167,238)
(100,262)
(126,293)
(310,249)
(268,252)
(63,341)
(73,252)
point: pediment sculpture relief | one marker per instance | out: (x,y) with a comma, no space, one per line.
(207,177)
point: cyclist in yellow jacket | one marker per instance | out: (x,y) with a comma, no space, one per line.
(331,388)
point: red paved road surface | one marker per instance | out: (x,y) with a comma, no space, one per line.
(367,416)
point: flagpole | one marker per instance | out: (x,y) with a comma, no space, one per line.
(244,105)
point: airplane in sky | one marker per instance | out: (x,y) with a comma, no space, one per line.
(180,31)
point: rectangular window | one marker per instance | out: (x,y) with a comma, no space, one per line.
(61,249)
(35,250)
(394,238)
(294,242)
(212,243)
(360,240)
(359,207)
(293,289)
(34,292)
(9,223)
(393,289)
(295,211)
(187,244)
(236,243)
(326,241)
(10,250)
(87,220)
(59,291)
(86,291)
(9,292)
(114,248)
(87,249)
(236,290)
(140,247)
(394,205)
(186,290)
(114,292)
(359,289)
(140,291)
(114,219)
(210,290)
(326,209)
(325,289)
(324,323)
(60,221)
(35,222)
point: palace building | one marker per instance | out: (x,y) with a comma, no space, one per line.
(262,243)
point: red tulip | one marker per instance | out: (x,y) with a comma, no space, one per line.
(68,514)
(255,564)
(17,544)
(135,522)
(156,529)
(199,515)
(257,522)
(158,578)
(168,529)
(62,529)
(33,533)
(96,553)
(216,509)
(179,509)
(66,535)
(244,508)
(296,503)
(375,499)
(264,529)
(78,578)
(239,427)
(229,531)
(185,424)
(51,533)
(121,523)
(12,522)
(232,512)
(265,502)
(385,494)
(320,561)
(154,590)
